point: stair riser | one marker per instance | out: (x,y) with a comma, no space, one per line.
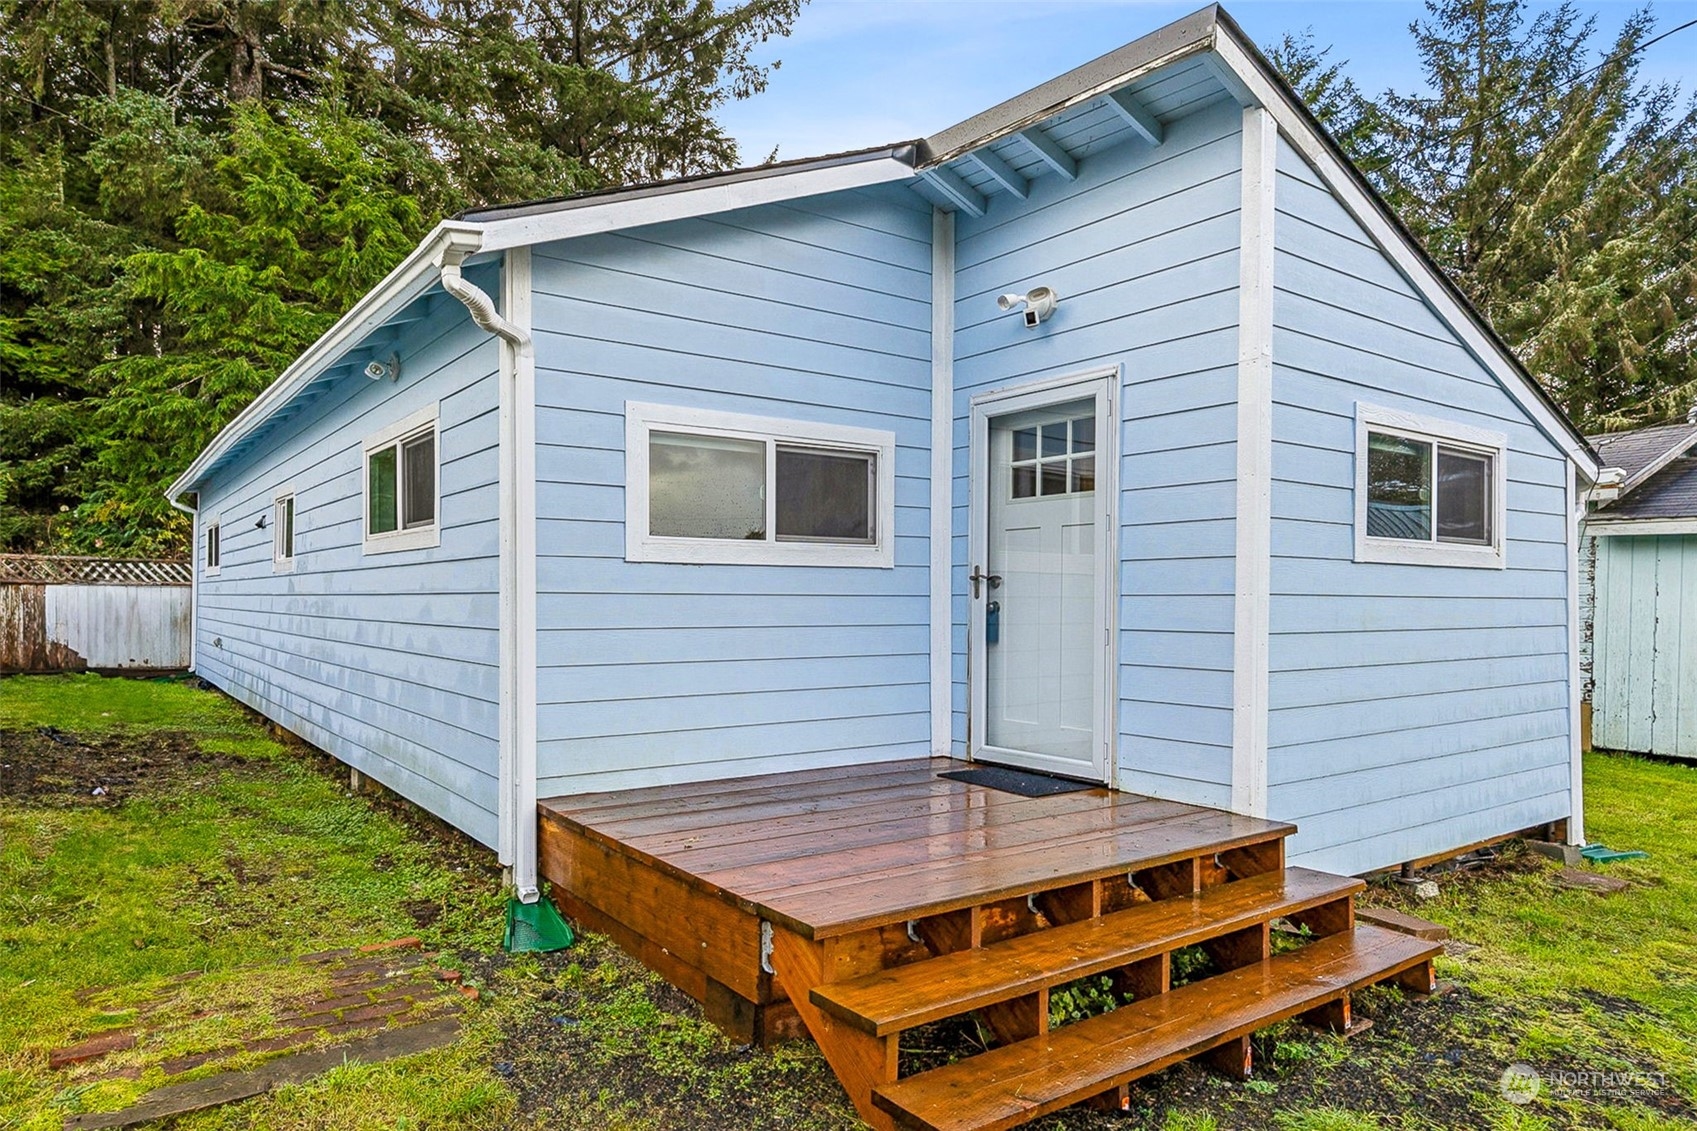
(1024,980)
(1008,1086)
(1037,1111)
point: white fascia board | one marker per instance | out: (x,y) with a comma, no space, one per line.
(415,274)
(1409,260)
(689,200)
(418,272)
(1605,527)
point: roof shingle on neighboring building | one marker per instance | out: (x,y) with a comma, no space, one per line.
(1642,448)
(1670,493)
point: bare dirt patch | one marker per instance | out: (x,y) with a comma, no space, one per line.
(56,769)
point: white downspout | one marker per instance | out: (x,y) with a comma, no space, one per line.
(194,572)
(517,801)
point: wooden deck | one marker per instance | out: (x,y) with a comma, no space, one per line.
(852,904)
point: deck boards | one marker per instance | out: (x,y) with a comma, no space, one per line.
(824,852)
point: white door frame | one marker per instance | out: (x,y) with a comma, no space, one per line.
(1102,383)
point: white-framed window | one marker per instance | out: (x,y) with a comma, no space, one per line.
(1428,491)
(283,531)
(212,551)
(402,485)
(706,486)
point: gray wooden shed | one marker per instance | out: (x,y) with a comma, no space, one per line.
(1639,587)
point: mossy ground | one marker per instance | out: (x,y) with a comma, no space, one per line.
(224,851)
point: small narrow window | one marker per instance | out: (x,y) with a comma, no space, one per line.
(212,560)
(401,485)
(283,531)
(1431,492)
(721,487)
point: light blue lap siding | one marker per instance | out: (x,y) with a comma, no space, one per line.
(388,661)
(1413,708)
(816,310)
(1142,249)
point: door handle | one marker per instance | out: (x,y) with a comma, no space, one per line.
(979,577)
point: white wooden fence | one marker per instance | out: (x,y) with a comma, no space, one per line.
(104,614)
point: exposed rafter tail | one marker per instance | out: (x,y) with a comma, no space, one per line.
(1142,122)
(1001,172)
(1050,151)
(954,189)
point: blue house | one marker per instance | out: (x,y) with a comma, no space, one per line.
(1118,433)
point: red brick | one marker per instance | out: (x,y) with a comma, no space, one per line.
(91,1048)
(448,975)
(373,1012)
(470,992)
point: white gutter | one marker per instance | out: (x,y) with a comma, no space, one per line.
(194,571)
(517,777)
(412,277)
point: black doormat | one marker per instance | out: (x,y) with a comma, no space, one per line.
(1016,781)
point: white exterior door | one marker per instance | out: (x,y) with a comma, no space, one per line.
(1039,586)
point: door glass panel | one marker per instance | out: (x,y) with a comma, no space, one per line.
(706,486)
(1084,434)
(1041,673)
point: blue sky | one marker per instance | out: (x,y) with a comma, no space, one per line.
(863,72)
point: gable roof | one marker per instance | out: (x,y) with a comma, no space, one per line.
(957,167)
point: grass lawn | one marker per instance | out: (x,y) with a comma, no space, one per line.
(216,849)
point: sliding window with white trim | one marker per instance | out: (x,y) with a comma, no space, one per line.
(1428,491)
(720,487)
(402,485)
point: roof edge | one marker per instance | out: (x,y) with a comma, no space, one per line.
(899,151)
(1186,36)
(409,279)
(490,231)
(1543,407)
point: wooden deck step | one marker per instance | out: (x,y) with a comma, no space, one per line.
(1015,1083)
(905,996)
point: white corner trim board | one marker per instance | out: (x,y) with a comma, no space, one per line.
(1575,507)
(1254,524)
(942,479)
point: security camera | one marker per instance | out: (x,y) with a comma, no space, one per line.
(1039,303)
(377,370)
